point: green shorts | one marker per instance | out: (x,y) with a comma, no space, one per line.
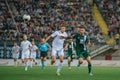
(70,54)
(82,54)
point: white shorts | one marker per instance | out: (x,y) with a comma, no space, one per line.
(26,54)
(59,52)
(33,55)
(16,55)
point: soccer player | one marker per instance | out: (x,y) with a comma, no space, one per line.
(33,50)
(15,52)
(57,46)
(25,47)
(82,40)
(70,48)
(44,47)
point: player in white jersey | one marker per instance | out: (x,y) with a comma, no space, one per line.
(33,50)
(57,46)
(25,47)
(15,53)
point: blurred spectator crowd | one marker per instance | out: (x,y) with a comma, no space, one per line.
(48,15)
(110,10)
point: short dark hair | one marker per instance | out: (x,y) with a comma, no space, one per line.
(82,27)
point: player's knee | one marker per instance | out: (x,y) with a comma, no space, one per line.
(44,59)
(22,61)
(53,61)
(69,59)
(61,61)
(80,62)
(89,62)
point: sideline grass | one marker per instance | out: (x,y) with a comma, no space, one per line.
(36,73)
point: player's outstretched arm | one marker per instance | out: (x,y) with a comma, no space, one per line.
(48,38)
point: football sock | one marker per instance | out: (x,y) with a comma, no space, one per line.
(78,64)
(26,64)
(15,63)
(42,62)
(89,68)
(59,67)
(31,63)
(69,63)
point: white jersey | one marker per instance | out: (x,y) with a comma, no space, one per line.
(25,46)
(58,42)
(15,49)
(33,49)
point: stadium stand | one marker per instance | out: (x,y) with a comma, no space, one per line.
(46,17)
(110,10)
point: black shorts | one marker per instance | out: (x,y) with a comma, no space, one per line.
(43,54)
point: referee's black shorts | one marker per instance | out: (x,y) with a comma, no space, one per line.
(43,54)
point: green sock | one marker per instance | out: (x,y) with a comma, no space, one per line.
(78,64)
(42,62)
(89,68)
(69,63)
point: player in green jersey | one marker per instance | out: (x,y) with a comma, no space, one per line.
(82,41)
(70,50)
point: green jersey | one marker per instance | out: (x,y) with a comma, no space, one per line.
(81,41)
(70,48)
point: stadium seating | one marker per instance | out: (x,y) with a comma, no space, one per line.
(47,16)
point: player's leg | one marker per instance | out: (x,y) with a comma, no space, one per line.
(89,65)
(27,54)
(34,59)
(61,57)
(80,58)
(80,61)
(26,63)
(44,59)
(31,62)
(14,61)
(42,62)
(17,57)
(22,58)
(53,56)
(69,62)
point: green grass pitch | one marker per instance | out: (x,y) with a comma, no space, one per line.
(36,73)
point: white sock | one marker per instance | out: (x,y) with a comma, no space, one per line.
(31,63)
(59,67)
(26,64)
(15,63)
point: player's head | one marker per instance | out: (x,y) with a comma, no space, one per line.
(70,38)
(15,44)
(42,40)
(33,43)
(24,37)
(62,28)
(82,30)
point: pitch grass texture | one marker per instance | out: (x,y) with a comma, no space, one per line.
(49,73)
